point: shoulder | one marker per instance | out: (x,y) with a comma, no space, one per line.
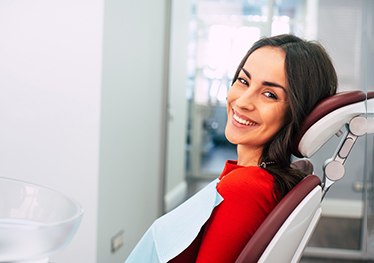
(248,174)
(247,181)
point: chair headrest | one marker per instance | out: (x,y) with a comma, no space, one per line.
(326,119)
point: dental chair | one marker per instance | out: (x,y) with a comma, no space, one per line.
(286,231)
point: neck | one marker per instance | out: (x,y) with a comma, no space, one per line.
(248,156)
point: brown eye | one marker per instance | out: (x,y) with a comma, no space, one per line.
(271,95)
(243,81)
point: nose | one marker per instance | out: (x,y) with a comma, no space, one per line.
(247,99)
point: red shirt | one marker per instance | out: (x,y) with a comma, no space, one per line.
(249,197)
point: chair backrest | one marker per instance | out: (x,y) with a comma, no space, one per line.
(309,188)
(284,234)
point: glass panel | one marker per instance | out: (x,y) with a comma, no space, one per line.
(343,222)
(368,47)
(220,32)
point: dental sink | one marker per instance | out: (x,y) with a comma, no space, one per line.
(35,221)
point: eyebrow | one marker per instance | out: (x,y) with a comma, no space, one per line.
(266,83)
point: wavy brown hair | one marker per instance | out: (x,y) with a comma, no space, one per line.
(311,77)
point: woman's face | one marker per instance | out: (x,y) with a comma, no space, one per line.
(257,101)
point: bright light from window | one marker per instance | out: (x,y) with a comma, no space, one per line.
(223,51)
(280,25)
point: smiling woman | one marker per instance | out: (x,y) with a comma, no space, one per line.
(276,85)
(307,75)
(257,103)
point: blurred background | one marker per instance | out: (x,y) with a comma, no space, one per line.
(219,34)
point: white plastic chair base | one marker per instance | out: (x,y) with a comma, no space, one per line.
(296,231)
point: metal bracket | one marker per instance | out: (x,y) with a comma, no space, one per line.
(333,168)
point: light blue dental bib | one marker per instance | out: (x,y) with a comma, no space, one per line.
(172,233)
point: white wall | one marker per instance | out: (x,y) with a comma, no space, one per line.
(176,185)
(50,74)
(82,111)
(133,119)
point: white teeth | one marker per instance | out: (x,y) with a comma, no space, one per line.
(244,122)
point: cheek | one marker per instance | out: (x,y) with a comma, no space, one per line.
(276,117)
(233,94)
(230,94)
(229,99)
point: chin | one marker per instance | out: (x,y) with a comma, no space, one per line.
(230,138)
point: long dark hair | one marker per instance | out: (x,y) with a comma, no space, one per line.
(311,77)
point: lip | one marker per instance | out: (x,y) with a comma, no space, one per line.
(239,123)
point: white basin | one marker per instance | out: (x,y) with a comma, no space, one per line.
(35,221)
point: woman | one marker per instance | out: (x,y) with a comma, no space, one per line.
(276,85)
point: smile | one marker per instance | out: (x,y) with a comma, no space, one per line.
(243,122)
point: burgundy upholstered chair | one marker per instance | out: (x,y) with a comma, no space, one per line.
(284,234)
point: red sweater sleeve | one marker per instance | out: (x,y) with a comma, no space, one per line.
(249,197)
